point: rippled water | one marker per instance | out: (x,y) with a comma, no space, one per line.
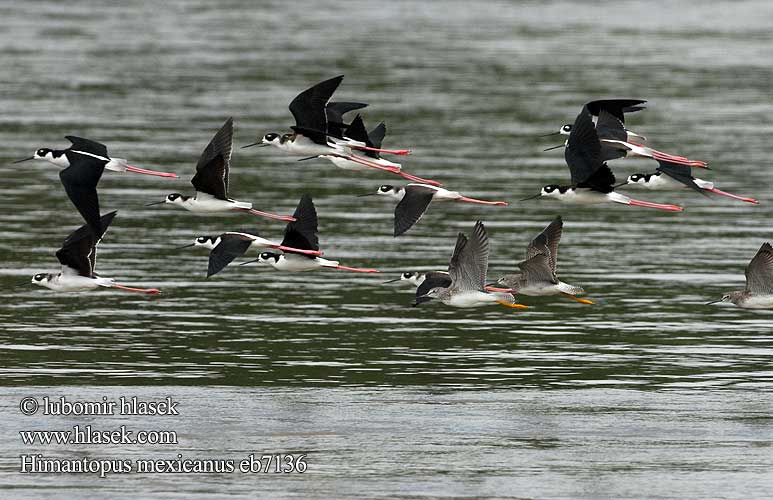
(467,87)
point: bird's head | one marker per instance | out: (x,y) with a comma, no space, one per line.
(40,279)
(636,179)
(268,258)
(48,154)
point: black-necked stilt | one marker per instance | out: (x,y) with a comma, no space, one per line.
(418,279)
(670,176)
(78,257)
(311,134)
(619,142)
(758,293)
(228,246)
(302,234)
(592,180)
(211,181)
(368,160)
(617,108)
(537,274)
(467,271)
(415,198)
(84,147)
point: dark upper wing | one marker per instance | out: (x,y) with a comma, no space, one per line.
(357,131)
(759,272)
(548,239)
(87,146)
(610,127)
(377,135)
(302,232)
(212,170)
(80,181)
(616,107)
(469,263)
(583,149)
(413,205)
(680,173)
(433,281)
(308,107)
(230,247)
(602,180)
(79,250)
(335,112)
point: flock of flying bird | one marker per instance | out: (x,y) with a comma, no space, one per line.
(597,136)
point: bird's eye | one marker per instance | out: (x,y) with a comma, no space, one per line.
(41,152)
(385,188)
(566,128)
(202,239)
(265,256)
(407,275)
(549,189)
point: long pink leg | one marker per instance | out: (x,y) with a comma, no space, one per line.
(671,208)
(393,170)
(730,195)
(138,170)
(355,269)
(482,202)
(152,291)
(252,211)
(400,152)
(296,250)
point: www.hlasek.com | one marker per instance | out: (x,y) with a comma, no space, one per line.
(78,434)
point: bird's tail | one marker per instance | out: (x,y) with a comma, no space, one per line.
(105,282)
(243,204)
(570,289)
(121,165)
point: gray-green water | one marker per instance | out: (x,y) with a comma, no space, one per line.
(649,393)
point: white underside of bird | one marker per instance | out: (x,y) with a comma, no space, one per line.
(297,263)
(476,298)
(346,164)
(205,203)
(757,302)
(65,282)
(664,182)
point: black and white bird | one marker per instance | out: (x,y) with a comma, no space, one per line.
(417,279)
(372,158)
(617,108)
(81,147)
(537,273)
(592,180)
(226,247)
(302,234)
(312,135)
(758,293)
(671,176)
(414,199)
(78,257)
(608,116)
(467,272)
(211,181)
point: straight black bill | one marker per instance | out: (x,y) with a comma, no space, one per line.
(25,159)
(713,302)
(155,203)
(550,134)
(309,158)
(259,144)
(185,246)
(249,262)
(554,147)
(536,196)
(391,281)
(366,194)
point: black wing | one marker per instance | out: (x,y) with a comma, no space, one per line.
(212,170)
(680,173)
(80,181)
(433,280)
(79,251)
(602,180)
(413,205)
(377,135)
(616,107)
(230,247)
(87,146)
(335,112)
(357,131)
(583,149)
(302,232)
(610,127)
(308,108)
